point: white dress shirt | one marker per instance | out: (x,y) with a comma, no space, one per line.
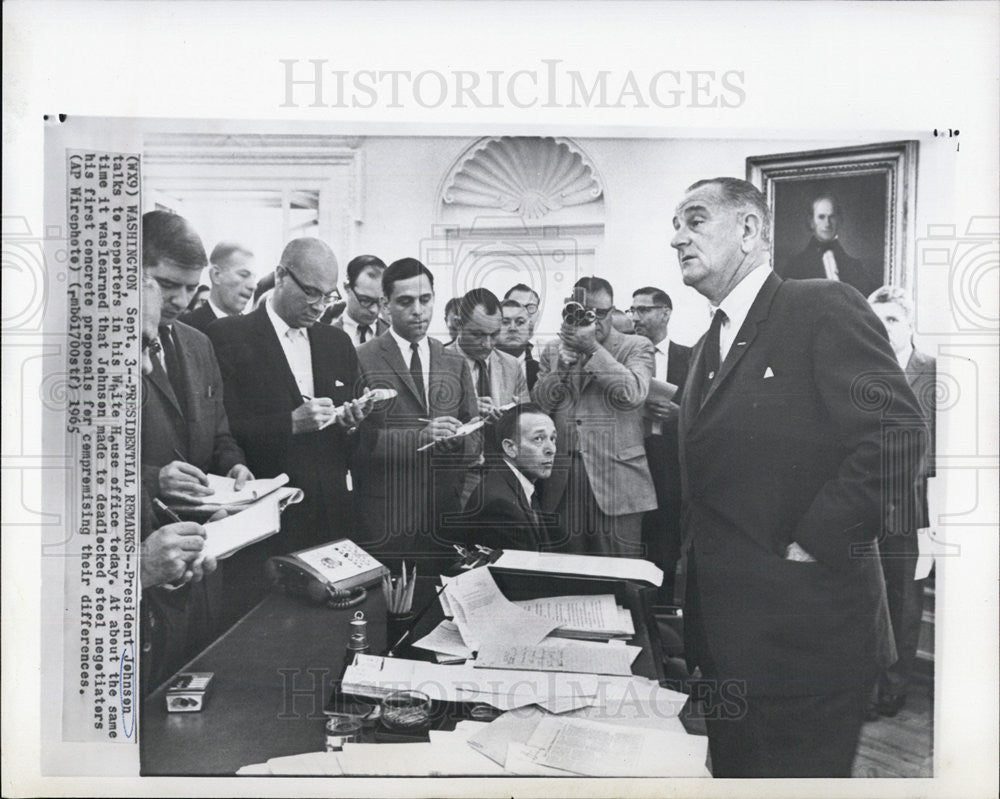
(736,306)
(424,350)
(353,329)
(219,313)
(295,344)
(526,485)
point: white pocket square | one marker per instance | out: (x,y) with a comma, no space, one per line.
(338,384)
(768,373)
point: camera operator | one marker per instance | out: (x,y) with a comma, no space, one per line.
(594,381)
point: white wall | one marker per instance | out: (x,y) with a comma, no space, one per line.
(643,179)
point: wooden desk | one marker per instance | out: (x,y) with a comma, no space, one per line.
(274,672)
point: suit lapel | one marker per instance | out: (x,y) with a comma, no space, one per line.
(322,364)
(436,375)
(272,351)
(522,502)
(758,313)
(158,379)
(394,359)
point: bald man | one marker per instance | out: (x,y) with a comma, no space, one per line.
(284,375)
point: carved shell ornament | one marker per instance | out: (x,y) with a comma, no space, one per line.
(523,175)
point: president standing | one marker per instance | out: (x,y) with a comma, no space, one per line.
(785,436)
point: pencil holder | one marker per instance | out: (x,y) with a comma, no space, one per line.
(396,625)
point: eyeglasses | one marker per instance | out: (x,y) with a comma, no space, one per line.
(643,308)
(530,307)
(313,295)
(363,300)
(602,313)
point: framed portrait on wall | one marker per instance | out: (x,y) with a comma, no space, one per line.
(843,214)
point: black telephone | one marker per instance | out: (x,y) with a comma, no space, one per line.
(293,575)
(298,579)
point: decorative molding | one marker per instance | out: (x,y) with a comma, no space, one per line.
(524,175)
(246,148)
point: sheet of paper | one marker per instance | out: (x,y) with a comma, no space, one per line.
(597,613)
(484,615)
(445,639)
(464,430)
(589,565)
(595,749)
(661,390)
(444,757)
(226,494)
(520,761)
(313,764)
(583,658)
(514,726)
(254,770)
(255,522)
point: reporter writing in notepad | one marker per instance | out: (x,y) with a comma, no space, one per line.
(177,615)
(285,376)
(185,430)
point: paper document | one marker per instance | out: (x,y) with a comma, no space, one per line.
(661,390)
(445,639)
(588,565)
(467,428)
(503,689)
(483,614)
(226,494)
(250,525)
(585,658)
(598,614)
(603,750)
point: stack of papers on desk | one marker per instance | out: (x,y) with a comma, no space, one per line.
(484,615)
(636,732)
(595,617)
(585,565)
(500,688)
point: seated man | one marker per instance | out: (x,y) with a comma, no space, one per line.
(505,510)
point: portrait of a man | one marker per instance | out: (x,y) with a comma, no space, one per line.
(843,240)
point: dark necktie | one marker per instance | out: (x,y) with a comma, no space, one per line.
(710,353)
(364,331)
(417,372)
(527,352)
(483,380)
(174,373)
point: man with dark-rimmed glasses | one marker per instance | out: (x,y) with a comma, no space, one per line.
(363,295)
(285,378)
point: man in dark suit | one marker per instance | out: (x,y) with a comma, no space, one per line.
(180,610)
(363,290)
(231,272)
(185,430)
(787,438)
(515,331)
(898,548)
(505,510)
(824,257)
(408,475)
(285,375)
(661,527)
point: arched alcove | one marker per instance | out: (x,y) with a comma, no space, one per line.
(519,209)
